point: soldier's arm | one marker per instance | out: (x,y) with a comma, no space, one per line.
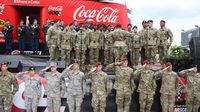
(170,36)
(63,86)
(184,72)
(42,72)
(65,73)
(89,74)
(15,85)
(84,86)
(137,73)
(21,76)
(48,35)
(39,86)
(112,65)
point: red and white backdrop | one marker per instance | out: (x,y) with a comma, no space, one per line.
(67,10)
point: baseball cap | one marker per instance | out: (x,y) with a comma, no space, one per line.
(53,64)
(31,69)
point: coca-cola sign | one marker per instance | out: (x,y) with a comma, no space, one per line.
(55,10)
(106,14)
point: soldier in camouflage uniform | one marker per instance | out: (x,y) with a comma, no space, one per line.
(143,36)
(76,86)
(95,44)
(107,46)
(119,37)
(169,87)
(129,27)
(135,45)
(193,89)
(65,42)
(32,90)
(100,87)
(123,84)
(8,88)
(54,87)
(164,42)
(146,88)
(52,39)
(151,40)
(81,44)
(45,28)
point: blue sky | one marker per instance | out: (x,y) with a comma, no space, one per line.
(178,14)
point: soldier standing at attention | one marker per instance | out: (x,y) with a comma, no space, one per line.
(8,34)
(95,43)
(165,40)
(76,86)
(151,40)
(81,44)
(129,26)
(52,39)
(8,88)
(169,87)
(45,29)
(32,90)
(193,89)
(35,35)
(120,37)
(147,87)
(123,84)
(100,87)
(21,33)
(65,42)
(54,87)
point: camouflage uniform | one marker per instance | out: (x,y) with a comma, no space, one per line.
(168,89)
(52,41)
(123,85)
(146,89)
(120,48)
(32,92)
(65,44)
(8,88)
(151,44)
(75,89)
(143,35)
(99,89)
(108,43)
(95,44)
(164,45)
(54,87)
(193,90)
(81,44)
(135,45)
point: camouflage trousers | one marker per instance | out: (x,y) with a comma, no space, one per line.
(162,50)
(65,55)
(120,52)
(53,51)
(74,102)
(193,103)
(53,104)
(167,102)
(150,53)
(146,101)
(31,104)
(6,103)
(108,56)
(94,55)
(80,55)
(98,103)
(135,56)
(123,101)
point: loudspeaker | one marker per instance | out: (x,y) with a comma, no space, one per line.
(60,65)
(14,66)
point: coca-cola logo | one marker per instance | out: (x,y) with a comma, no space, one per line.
(2,7)
(106,14)
(55,10)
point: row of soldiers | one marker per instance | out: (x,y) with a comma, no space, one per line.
(101,86)
(114,42)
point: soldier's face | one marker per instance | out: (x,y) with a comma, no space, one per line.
(32,73)
(162,24)
(4,67)
(170,68)
(99,68)
(194,70)
(150,24)
(53,68)
(75,66)
(129,27)
(135,29)
(125,63)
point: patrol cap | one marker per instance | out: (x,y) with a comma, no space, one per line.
(31,69)
(97,64)
(146,62)
(5,63)
(150,21)
(162,21)
(75,61)
(135,27)
(53,64)
(168,64)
